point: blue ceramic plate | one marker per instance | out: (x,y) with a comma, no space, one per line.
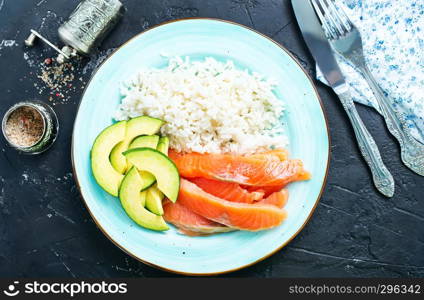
(306,128)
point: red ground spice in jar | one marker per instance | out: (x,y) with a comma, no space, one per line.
(30,127)
(24,127)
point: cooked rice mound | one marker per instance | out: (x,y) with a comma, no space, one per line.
(209,106)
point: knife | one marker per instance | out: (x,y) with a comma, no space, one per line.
(321,51)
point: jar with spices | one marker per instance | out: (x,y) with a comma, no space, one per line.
(30,126)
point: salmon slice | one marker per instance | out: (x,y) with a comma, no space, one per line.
(252,217)
(227,190)
(278,199)
(250,171)
(235,193)
(190,223)
(279,154)
(266,190)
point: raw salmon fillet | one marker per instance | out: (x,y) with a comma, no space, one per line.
(245,170)
(252,217)
(278,154)
(227,190)
(278,199)
(190,223)
(266,190)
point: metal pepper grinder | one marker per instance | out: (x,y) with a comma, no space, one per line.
(85,28)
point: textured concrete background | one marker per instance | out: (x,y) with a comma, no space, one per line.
(45,229)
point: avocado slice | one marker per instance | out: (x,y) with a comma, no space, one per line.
(148,180)
(143,197)
(145,141)
(149,141)
(133,201)
(163,145)
(157,163)
(104,173)
(143,125)
(154,200)
(153,195)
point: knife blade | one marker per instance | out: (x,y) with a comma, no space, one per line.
(318,44)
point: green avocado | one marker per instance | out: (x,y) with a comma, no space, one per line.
(143,197)
(133,201)
(148,180)
(154,200)
(143,125)
(145,141)
(149,141)
(153,195)
(163,145)
(157,163)
(106,176)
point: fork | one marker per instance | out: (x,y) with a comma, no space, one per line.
(346,40)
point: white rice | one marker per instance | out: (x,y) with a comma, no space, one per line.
(208,106)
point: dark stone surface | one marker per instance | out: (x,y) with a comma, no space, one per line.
(45,229)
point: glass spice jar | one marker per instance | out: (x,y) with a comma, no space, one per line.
(30,126)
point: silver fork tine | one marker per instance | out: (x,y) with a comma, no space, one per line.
(343,13)
(348,21)
(340,15)
(334,23)
(324,23)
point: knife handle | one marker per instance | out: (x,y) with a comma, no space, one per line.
(382,178)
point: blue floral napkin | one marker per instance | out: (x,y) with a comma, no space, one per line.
(393,36)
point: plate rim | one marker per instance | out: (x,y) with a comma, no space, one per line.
(324,183)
